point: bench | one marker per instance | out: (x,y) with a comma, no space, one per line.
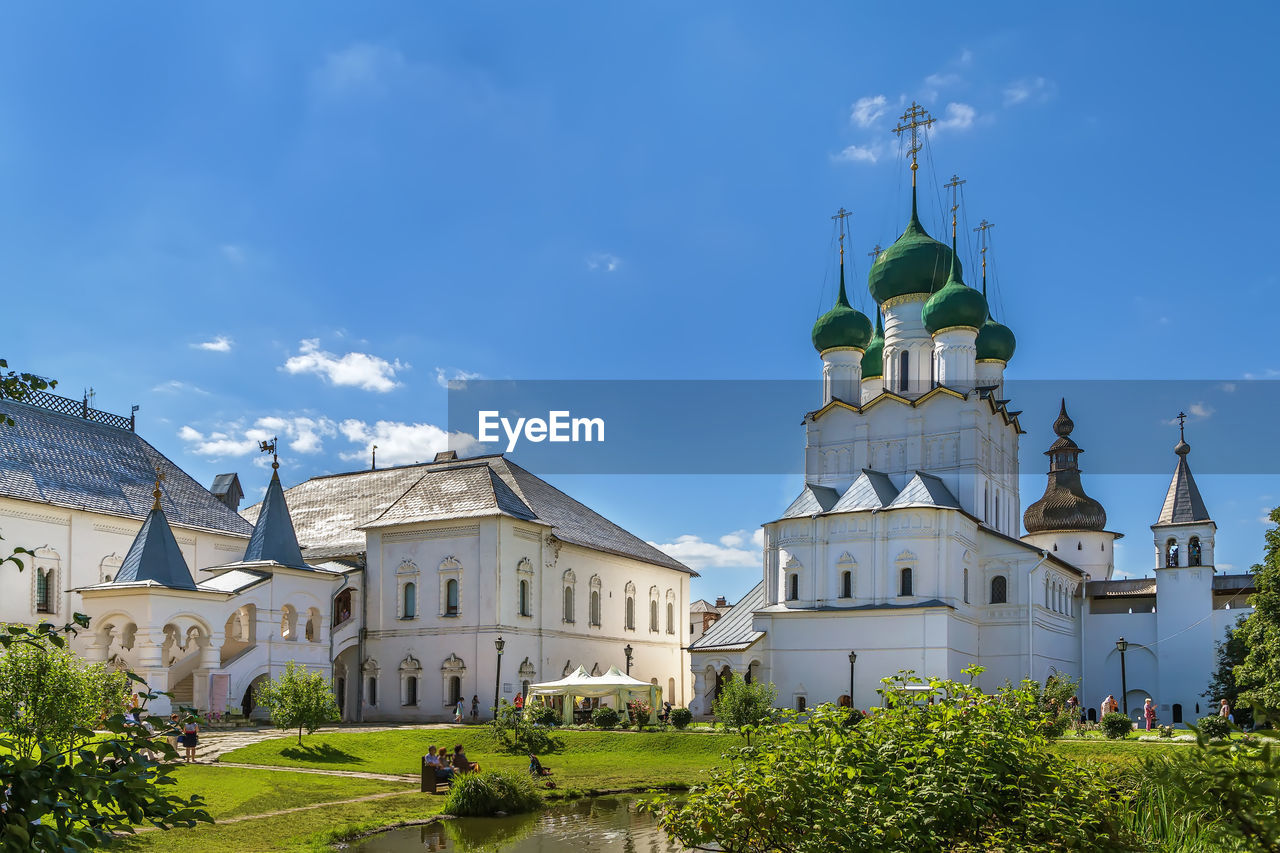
(431,783)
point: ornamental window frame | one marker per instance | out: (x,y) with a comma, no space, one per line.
(410,682)
(629,607)
(452,667)
(524,588)
(450,570)
(654,626)
(593,602)
(569,582)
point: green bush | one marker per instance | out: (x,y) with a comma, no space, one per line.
(741,704)
(485,794)
(681,717)
(518,735)
(1116,725)
(1214,727)
(541,715)
(605,718)
(1166,731)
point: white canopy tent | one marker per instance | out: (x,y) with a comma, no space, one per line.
(579,684)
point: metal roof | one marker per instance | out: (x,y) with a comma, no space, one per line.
(155,556)
(813,500)
(59,459)
(925,490)
(1121,587)
(732,632)
(872,490)
(273,539)
(329,512)
(1182,503)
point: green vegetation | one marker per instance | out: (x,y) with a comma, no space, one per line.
(485,794)
(1116,725)
(741,705)
(299,698)
(681,718)
(1230,653)
(236,791)
(1258,676)
(1214,727)
(605,718)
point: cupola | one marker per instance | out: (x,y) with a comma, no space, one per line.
(843,327)
(915,263)
(955,305)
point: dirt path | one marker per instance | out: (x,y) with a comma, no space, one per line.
(215,744)
(352,774)
(277,813)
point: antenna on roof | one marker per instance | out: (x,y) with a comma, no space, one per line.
(373,466)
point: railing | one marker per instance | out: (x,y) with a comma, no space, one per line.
(78,409)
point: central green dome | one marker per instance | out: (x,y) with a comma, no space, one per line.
(842,326)
(915,263)
(873,358)
(956,304)
(995,342)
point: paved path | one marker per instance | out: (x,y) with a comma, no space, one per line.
(215,744)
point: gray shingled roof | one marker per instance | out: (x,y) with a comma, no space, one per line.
(155,557)
(273,539)
(1121,587)
(813,500)
(67,461)
(732,632)
(328,512)
(1182,503)
(872,490)
(926,490)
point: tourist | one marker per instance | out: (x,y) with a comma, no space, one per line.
(519,701)
(1109,706)
(665,716)
(190,738)
(457,713)
(462,764)
(174,731)
(1225,711)
(1149,713)
(536,768)
(442,769)
(475,709)
(1073,708)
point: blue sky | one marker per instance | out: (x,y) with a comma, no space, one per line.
(304,218)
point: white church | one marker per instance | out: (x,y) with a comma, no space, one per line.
(904,550)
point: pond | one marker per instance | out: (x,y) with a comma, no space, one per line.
(603,824)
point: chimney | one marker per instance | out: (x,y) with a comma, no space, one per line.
(446,456)
(720,602)
(226,488)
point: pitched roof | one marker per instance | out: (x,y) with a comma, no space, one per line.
(812,500)
(872,490)
(1182,503)
(154,557)
(1121,587)
(59,459)
(329,512)
(273,539)
(925,490)
(732,632)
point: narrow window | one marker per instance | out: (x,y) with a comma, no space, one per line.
(846,584)
(653,616)
(411,690)
(568,604)
(904,587)
(451,597)
(1177,713)
(793,587)
(455,689)
(1171,554)
(999,590)
(631,613)
(1193,551)
(595,607)
(524,598)
(800,704)
(373,690)
(966,586)
(410,601)
(904,362)
(44,591)
(671,618)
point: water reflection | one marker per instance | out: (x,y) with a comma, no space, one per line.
(605,824)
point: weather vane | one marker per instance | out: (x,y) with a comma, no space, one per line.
(270,447)
(915,118)
(156,493)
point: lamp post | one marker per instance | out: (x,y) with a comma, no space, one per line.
(1122,646)
(853,658)
(627,651)
(497,674)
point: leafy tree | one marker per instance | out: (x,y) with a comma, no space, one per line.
(299,698)
(18,386)
(519,735)
(49,695)
(1257,677)
(945,769)
(1222,684)
(742,705)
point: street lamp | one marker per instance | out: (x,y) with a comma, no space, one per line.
(627,651)
(497,673)
(1122,646)
(853,658)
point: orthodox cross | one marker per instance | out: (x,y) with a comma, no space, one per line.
(982,229)
(874,254)
(915,118)
(270,447)
(840,217)
(1182,420)
(954,186)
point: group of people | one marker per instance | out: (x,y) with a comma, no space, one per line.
(1111,706)
(446,767)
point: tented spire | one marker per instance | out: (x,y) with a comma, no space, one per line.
(154,555)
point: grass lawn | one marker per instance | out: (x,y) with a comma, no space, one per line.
(233,791)
(590,760)
(1112,754)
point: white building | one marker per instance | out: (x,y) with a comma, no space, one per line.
(904,547)
(446,557)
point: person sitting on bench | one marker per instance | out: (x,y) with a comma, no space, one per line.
(536,768)
(462,764)
(443,771)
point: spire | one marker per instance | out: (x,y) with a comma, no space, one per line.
(273,539)
(1064,505)
(1182,503)
(154,555)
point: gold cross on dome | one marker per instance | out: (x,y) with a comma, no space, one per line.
(913,120)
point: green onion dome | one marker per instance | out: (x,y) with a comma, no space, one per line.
(915,263)
(842,326)
(956,304)
(995,341)
(873,358)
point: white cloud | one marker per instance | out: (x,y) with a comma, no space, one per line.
(356,369)
(741,548)
(860,154)
(233,253)
(359,70)
(958,117)
(401,443)
(219,344)
(302,433)
(1200,410)
(1035,90)
(603,261)
(935,83)
(1228,387)
(1269,373)
(175,386)
(867,110)
(457,379)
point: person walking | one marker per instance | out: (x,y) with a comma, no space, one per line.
(475,709)
(457,713)
(1225,711)
(1149,713)
(190,738)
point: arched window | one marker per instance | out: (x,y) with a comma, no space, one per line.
(671,618)
(44,590)
(904,582)
(568,604)
(341,607)
(1177,712)
(793,587)
(999,590)
(595,607)
(904,383)
(1093,715)
(451,597)
(410,601)
(653,616)
(455,689)
(1193,551)
(372,695)
(631,613)
(846,584)
(671,690)
(800,706)
(1171,554)
(986,501)
(966,586)
(411,690)
(524,598)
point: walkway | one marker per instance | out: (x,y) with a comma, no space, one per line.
(216,743)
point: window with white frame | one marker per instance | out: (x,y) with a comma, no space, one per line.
(524,587)
(450,573)
(410,674)
(593,608)
(653,610)
(570,581)
(452,671)
(630,607)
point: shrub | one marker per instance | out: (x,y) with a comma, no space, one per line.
(604,718)
(640,712)
(485,794)
(1166,731)
(516,734)
(741,704)
(1116,725)
(681,717)
(541,715)
(1214,727)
